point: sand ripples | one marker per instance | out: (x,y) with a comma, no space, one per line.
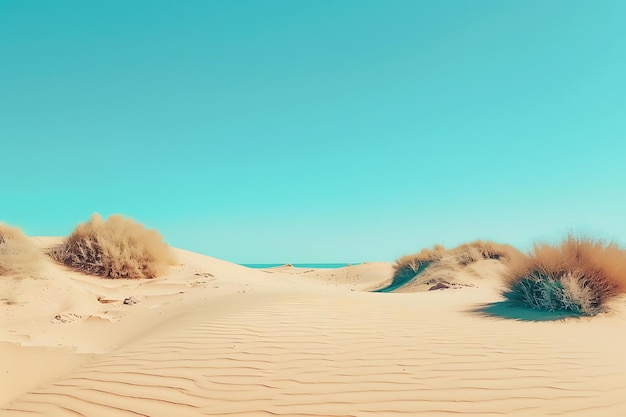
(344,356)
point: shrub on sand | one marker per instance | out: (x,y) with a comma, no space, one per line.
(408,266)
(18,255)
(115,248)
(439,258)
(579,275)
(478,250)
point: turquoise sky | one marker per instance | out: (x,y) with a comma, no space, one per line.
(316,131)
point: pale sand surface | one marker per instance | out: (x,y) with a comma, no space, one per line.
(214,338)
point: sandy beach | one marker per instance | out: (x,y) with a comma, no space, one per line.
(312,208)
(218,339)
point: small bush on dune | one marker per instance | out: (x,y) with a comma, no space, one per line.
(579,275)
(469,253)
(115,248)
(461,256)
(408,266)
(18,255)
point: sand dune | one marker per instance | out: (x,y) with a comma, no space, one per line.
(354,277)
(217,339)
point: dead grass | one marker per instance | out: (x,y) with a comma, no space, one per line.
(452,260)
(478,250)
(408,266)
(18,255)
(578,275)
(115,248)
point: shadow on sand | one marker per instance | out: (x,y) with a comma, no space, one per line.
(508,310)
(403,280)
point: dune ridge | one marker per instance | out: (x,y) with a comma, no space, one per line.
(441,268)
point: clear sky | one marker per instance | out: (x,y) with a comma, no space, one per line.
(316,131)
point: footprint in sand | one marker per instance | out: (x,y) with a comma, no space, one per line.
(205,278)
(66,318)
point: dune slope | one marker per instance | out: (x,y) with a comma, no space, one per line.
(253,343)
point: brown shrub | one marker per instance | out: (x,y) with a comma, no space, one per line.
(115,248)
(18,255)
(578,275)
(469,253)
(409,265)
(460,256)
(439,261)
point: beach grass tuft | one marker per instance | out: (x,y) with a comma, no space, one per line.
(408,266)
(454,259)
(468,253)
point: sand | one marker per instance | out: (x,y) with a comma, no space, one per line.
(218,339)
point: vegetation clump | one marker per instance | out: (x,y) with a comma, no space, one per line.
(409,266)
(117,247)
(578,275)
(18,255)
(453,259)
(478,250)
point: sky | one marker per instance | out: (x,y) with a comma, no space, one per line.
(316,130)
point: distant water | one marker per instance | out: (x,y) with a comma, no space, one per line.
(327,266)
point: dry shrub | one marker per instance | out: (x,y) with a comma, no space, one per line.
(469,253)
(115,248)
(18,255)
(408,266)
(579,275)
(452,260)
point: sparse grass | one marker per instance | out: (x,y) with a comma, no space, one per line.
(469,253)
(438,264)
(18,255)
(115,248)
(579,275)
(408,266)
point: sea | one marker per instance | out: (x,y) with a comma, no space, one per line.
(318,265)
